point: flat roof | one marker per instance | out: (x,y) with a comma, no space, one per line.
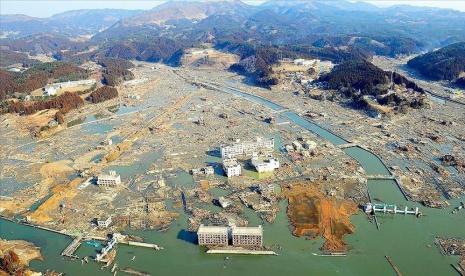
(258,230)
(108,176)
(212,229)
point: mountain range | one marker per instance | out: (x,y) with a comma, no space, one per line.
(280,22)
(70,23)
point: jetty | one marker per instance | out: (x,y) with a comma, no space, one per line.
(143,244)
(242,252)
(72,247)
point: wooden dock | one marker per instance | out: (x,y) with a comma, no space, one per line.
(72,247)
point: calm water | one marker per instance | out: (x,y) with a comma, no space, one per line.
(406,239)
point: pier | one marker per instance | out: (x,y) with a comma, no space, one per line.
(143,244)
(390,208)
(72,247)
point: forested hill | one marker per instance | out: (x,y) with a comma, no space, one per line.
(444,64)
(364,76)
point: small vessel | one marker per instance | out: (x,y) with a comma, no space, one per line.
(133,258)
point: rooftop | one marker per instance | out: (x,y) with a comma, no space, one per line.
(212,229)
(230,162)
(247,230)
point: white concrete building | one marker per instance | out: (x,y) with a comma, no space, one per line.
(265,164)
(231,167)
(224,203)
(104,223)
(208,170)
(213,235)
(249,236)
(52,89)
(247,148)
(109,180)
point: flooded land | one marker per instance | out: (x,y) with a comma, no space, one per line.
(168,122)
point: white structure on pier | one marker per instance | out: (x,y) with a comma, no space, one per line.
(110,180)
(390,208)
(212,235)
(231,167)
(247,148)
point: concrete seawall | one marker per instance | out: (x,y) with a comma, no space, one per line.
(241,252)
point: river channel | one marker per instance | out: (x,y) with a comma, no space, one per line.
(408,240)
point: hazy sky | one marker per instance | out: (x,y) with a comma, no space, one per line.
(41,8)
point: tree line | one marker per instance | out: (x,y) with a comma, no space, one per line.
(64,103)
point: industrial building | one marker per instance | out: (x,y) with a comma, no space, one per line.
(231,167)
(212,235)
(247,148)
(268,164)
(110,180)
(248,236)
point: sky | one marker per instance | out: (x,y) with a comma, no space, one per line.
(40,8)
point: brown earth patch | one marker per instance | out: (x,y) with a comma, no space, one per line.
(15,256)
(312,214)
